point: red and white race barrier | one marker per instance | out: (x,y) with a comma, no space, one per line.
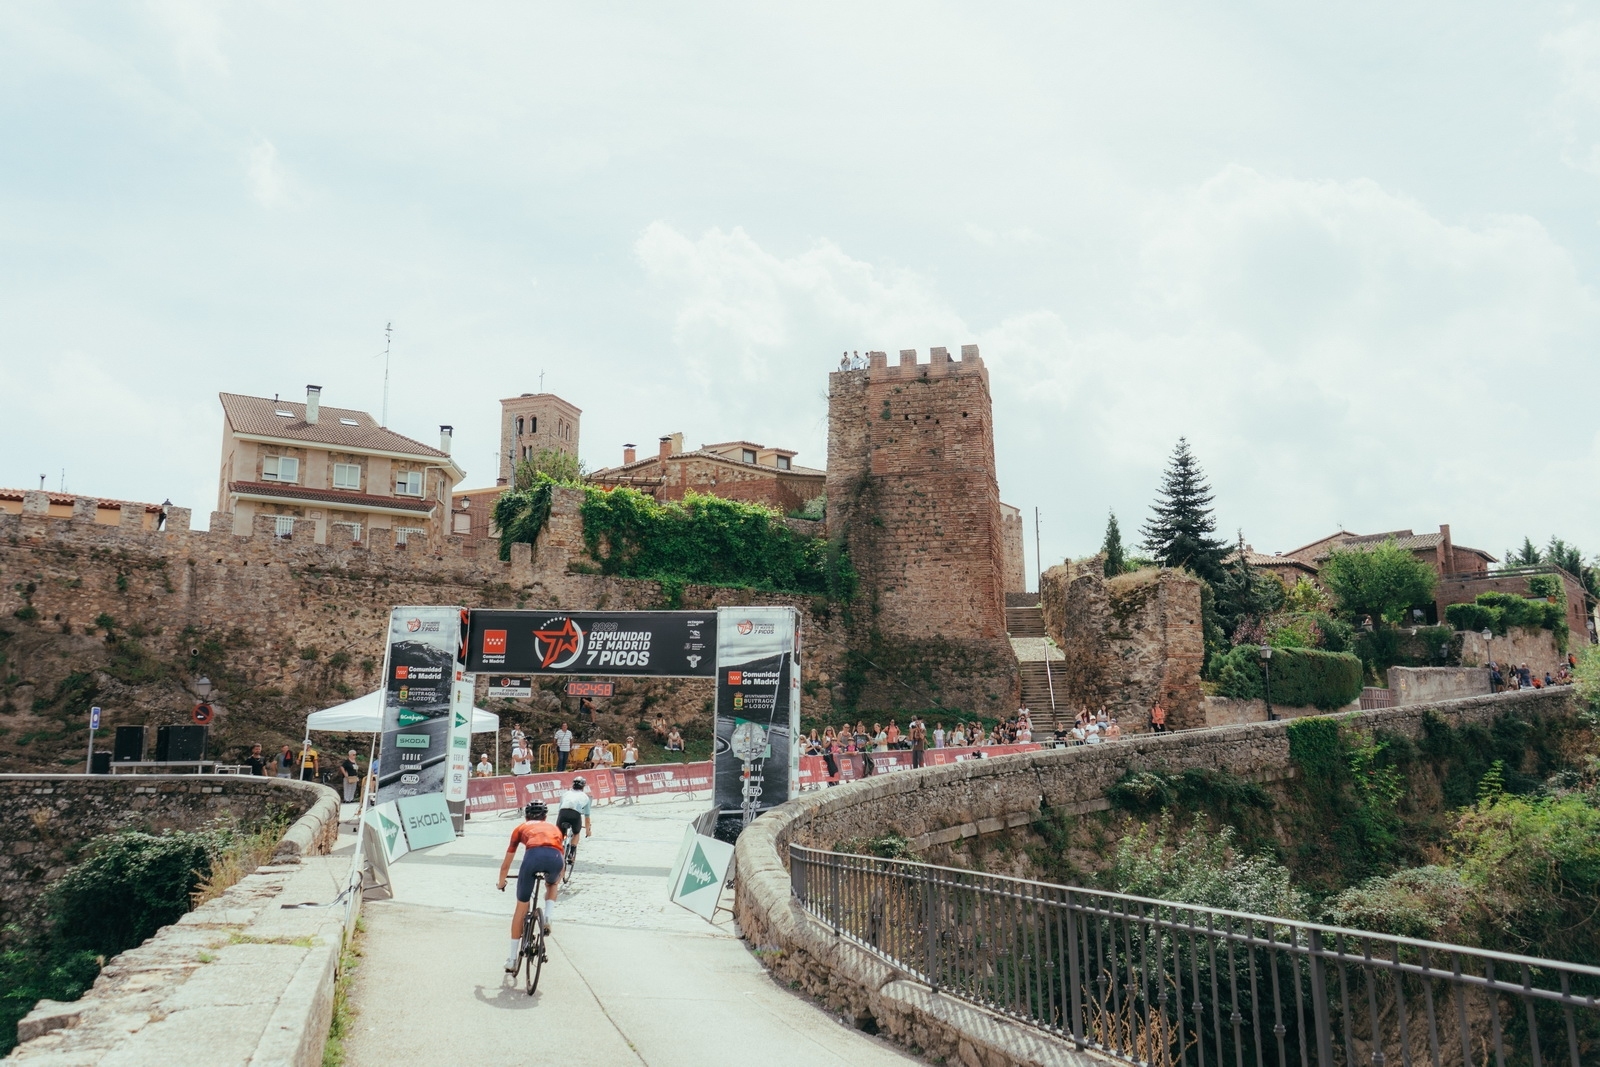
(512,792)
(814,769)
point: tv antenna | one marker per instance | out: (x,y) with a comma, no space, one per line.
(388,330)
(541,379)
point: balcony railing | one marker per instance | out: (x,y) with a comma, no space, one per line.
(1155,983)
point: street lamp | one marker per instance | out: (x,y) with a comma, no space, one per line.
(1488,657)
(1266,667)
(203,687)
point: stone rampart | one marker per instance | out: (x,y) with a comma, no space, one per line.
(1129,641)
(939,805)
(50,819)
(127,619)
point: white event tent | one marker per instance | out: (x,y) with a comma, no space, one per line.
(364,715)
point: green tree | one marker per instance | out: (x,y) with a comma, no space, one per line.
(1179,532)
(1526,556)
(1570,559)
(1243,592)
(555,464)
(1382,582)
(1111,548)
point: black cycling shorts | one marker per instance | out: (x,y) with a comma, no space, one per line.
(541,859)
(569,821)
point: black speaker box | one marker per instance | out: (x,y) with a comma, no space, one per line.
(176,744)
(129,747)
(100,763)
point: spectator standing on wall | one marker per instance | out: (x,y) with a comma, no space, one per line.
(563,747)
(310,764)
(286,762)
(1158,719)
(350,773)
(919,742)
(256,762)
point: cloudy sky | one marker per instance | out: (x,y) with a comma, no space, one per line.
(1351,251)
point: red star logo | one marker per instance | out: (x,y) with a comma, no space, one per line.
(556,642)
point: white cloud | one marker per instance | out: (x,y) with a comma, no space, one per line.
(1575,113)
(194,28)
(991,238)
(268,180)
(1335,352)
(757,329)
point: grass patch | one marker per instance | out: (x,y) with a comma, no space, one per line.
(343,1013)
(240,858)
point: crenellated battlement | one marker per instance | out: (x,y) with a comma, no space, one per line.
(267,540)
(939,365)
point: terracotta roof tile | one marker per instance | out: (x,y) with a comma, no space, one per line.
(258,415)
(67,499)
(700,453)
(281,491)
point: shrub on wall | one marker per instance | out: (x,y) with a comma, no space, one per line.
(1301,677)
(1498,612)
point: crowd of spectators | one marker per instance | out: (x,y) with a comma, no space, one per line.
(1511,677)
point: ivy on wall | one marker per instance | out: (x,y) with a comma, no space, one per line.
(701,539)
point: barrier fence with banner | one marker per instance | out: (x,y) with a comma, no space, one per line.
(814,771)
(512,792)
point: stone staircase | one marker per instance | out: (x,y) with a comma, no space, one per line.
(1027,623)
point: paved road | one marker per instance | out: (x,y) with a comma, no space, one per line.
(632,979)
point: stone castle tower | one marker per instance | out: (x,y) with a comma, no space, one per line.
(912,492)
(532,422)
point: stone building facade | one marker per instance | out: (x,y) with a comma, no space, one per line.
(734,470)
(1129,641)
(912,493)
(335,467)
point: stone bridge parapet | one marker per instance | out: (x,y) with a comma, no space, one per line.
(937,805)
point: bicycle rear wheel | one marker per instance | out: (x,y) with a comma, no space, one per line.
(569,858)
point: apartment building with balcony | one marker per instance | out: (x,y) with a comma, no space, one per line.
(335,466)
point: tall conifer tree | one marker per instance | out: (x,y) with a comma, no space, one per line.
(1179,533)
(1111,549)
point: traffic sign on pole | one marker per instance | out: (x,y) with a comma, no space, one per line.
(94,724)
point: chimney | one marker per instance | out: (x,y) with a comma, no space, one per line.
(445,434)
(666,446)
(628,454)
(313,403)
(677,443)
(1447,549)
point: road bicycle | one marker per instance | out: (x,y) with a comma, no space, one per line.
(569,856)
(532,953)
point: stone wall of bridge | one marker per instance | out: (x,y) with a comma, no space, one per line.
(940,806)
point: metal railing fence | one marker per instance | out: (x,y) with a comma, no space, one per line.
(1155,983)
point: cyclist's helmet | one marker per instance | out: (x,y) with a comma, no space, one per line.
(579,782)
(536,809)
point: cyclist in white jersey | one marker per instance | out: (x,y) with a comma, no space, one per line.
(573,813)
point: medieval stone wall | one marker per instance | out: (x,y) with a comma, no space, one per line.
(912,493)
(127,619)
(1129,641)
